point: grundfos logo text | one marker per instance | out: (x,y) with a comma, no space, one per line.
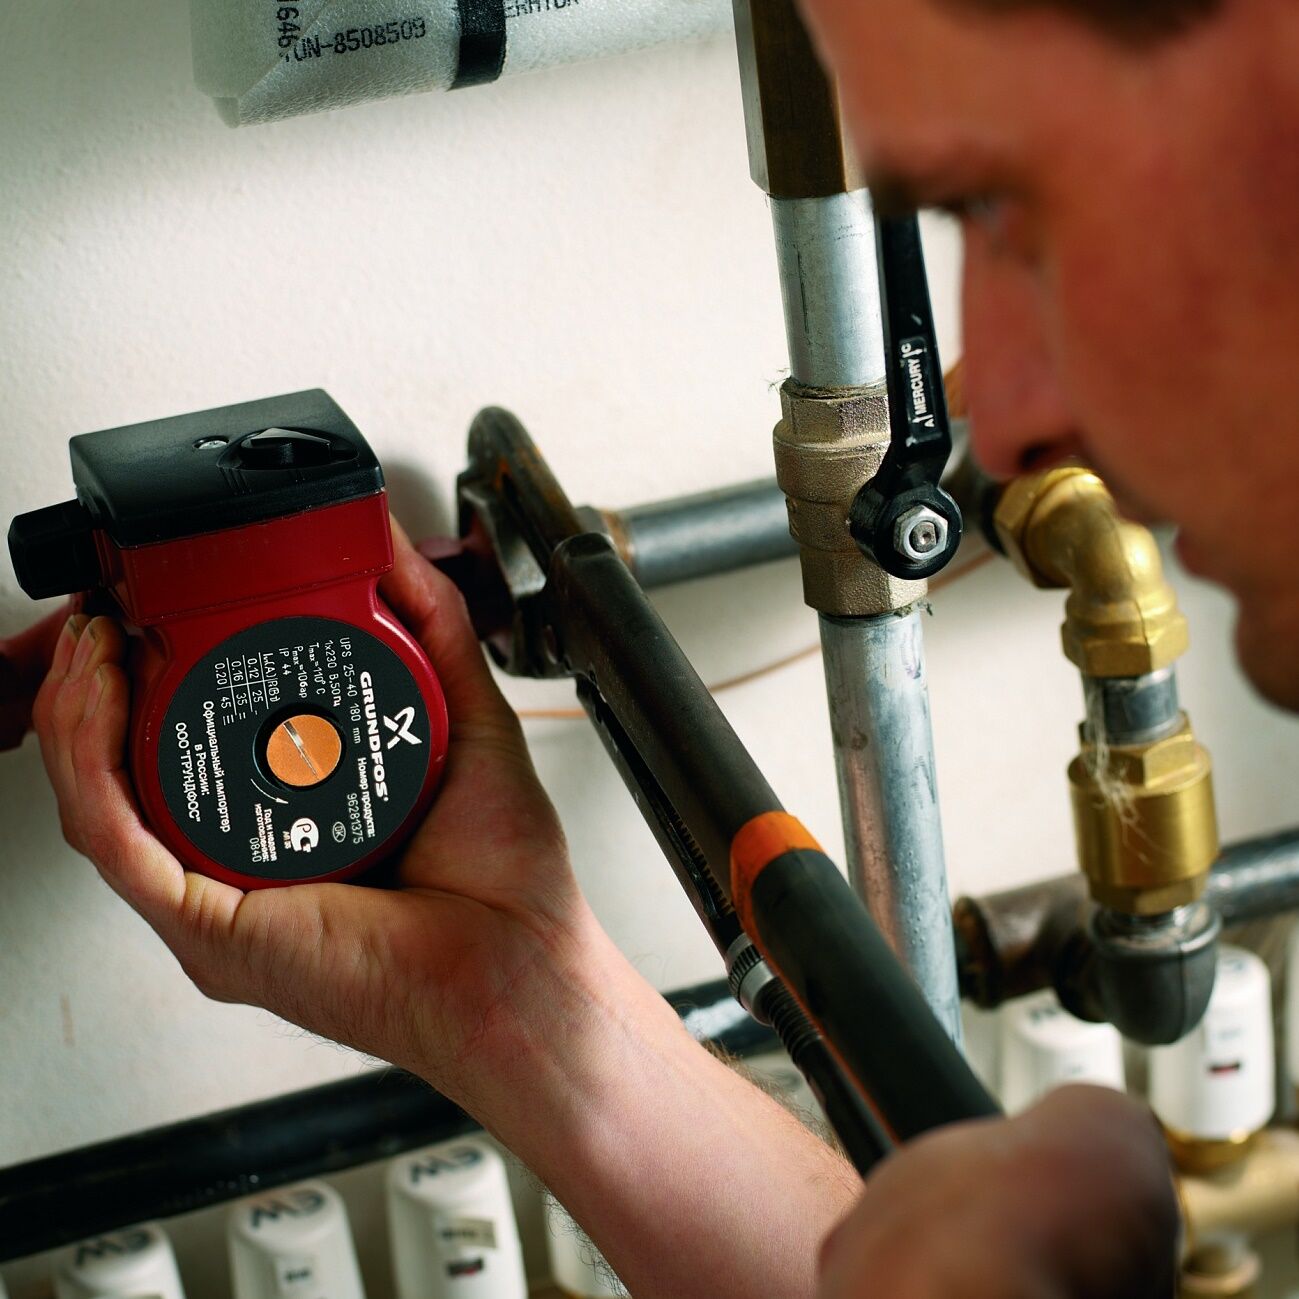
(373,739)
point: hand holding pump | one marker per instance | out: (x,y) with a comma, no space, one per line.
(284,726)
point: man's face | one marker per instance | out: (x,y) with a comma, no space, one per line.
(1132,259)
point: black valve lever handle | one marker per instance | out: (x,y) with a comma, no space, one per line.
(902,518)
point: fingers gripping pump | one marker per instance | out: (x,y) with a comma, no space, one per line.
(284,725)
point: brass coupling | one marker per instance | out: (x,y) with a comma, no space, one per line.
(1146,826)
(1063,531)
(827,447)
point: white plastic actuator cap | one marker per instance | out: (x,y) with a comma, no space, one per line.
(576,1266)
(1043,1047)
(1218,1083)
(451,1224)
(136,1261)
(293,1243)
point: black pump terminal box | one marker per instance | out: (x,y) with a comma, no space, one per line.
(222,468)
(191,474)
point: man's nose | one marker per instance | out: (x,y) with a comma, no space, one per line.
(1019,418)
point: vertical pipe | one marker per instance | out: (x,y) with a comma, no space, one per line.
(825,250)
(884,752)
(875,667)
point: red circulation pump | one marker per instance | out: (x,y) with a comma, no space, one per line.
(285,726)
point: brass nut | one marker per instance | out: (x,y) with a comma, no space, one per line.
(1146,826)
(843,584)
(792,110)
(1204,1155)
(1134,654)
(827,447)
(838,419)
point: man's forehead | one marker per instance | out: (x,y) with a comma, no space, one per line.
(933,93)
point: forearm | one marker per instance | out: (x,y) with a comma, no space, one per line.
(688,1178)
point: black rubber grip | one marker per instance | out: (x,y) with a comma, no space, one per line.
(818,936)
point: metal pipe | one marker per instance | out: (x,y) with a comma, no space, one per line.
(1018,941)
(1132,710)
(695,536)
(825,250)
(209,1160)
(1256,879)
(884,754)
(832,441)
(718,531)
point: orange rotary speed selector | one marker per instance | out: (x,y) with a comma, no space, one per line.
(303,750)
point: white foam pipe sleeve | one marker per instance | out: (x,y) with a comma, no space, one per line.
(261,60)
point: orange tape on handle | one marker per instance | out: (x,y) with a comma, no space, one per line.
(756,845)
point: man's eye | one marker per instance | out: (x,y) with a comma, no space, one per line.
(983,210)
(998,219)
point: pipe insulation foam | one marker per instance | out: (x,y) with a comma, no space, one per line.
(261,60)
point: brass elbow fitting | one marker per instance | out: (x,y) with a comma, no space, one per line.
(1143,811)
(1063,531)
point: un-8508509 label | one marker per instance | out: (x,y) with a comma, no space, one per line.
(294,749)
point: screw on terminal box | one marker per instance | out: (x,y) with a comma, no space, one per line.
(284,725)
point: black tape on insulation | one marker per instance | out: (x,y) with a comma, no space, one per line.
(482,43)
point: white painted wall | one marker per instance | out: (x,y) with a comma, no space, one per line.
(584,246)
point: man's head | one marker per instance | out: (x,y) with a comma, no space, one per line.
(1130,199)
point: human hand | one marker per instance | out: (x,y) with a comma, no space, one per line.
(1072,1200)
(446,975)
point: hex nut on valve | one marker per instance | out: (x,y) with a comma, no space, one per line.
(1145,822)
(919,532)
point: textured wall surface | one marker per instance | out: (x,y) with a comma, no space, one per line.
(583,246)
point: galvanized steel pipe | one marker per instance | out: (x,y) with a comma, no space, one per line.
(695,536)
(825,248)
(884,752)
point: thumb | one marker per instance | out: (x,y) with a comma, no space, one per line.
(433,609)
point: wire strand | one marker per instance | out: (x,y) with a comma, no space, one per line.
(754,674)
